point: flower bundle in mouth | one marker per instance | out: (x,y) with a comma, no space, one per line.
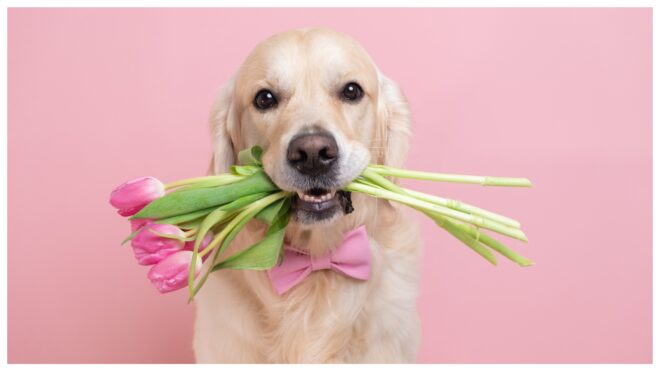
(179,225)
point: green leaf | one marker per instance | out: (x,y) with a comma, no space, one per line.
(235,231)
(188,201)
(250,156)
(260,256)
(244,201)
(191,224)
(263,254)
(272,211)
(219,215)
(227,240)
(204,181)
(235,226)
(245,170)
(178,219)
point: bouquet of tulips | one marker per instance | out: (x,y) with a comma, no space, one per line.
(179,225)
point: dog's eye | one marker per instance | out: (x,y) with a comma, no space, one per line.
(352,92)
(265,99)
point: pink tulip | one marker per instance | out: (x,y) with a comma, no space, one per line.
(130,211)
(150,248)
(132,196)
(172,272)
(190,245)
(139,223)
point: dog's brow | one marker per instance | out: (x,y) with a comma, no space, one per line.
(264,84)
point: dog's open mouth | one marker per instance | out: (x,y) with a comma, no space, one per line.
(317,199)
(319,204)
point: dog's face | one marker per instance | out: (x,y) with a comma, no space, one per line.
(316,103)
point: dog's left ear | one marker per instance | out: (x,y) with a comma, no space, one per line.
(393,121)
(222,121)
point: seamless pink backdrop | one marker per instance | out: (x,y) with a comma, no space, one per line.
(562,96)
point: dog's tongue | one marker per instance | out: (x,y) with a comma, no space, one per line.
(345,201)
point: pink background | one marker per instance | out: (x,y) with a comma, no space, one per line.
(562,96)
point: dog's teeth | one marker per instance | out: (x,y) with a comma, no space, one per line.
(316,198)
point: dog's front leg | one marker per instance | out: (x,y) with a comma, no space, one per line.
(227,326)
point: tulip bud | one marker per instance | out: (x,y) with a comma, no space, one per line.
(150,248)
(205,242)
(132,196)
(139,223)
(172,272)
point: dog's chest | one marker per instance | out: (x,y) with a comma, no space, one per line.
(321,318)
(327,317)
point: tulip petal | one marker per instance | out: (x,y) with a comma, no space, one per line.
(171,273)
(150,248)
(133,195)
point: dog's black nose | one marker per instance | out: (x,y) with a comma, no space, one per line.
(312,154)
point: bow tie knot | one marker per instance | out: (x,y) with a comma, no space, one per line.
(321,262)
(351,258)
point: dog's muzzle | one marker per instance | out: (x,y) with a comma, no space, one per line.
(314,156)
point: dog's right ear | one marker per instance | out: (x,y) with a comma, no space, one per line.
(394,122)
(222,121)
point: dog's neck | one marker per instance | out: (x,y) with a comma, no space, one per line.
(317,239)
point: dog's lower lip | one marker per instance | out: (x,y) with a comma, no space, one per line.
(309,212)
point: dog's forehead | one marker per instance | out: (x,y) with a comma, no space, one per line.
(288,59)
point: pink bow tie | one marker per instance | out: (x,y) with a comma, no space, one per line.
(351,258)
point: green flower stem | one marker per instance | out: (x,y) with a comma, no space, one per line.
(373,177)
(247,212)
(171,236)
(422,205)
(469,241)
(218,220)
(256,206)
(458,205)
(190,233)
(472,232)
(497,246)
(451,178)
(207,181)
(487,240)
(131,236)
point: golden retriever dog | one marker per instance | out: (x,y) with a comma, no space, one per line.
(321,110)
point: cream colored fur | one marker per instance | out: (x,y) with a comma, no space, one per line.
(328,317)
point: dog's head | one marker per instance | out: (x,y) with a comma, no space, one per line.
(319,107)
